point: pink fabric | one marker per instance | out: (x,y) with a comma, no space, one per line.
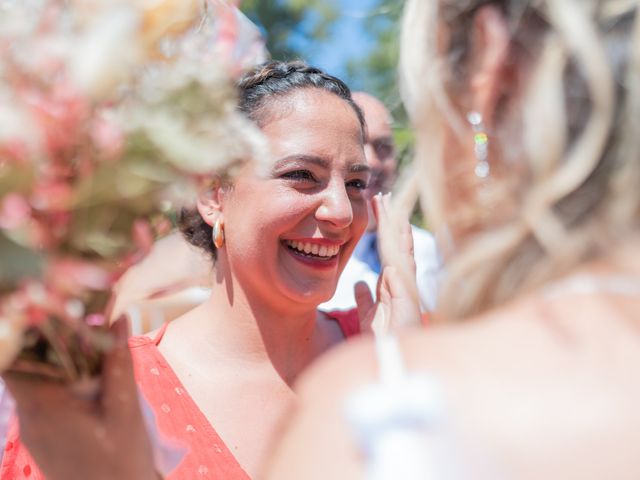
(16,461)
(178,417)
(348,320)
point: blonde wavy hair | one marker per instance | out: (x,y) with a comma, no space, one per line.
(575,151)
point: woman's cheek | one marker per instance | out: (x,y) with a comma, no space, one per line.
(360,215)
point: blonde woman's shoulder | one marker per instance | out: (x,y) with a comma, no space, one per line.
(543,389)
(524,391)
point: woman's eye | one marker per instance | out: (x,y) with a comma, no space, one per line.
(358,184)
(301,175)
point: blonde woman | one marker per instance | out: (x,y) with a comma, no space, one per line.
(528,122)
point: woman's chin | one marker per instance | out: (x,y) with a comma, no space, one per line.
(311,296)
(308,289)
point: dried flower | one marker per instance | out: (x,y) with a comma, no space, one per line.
(111,112)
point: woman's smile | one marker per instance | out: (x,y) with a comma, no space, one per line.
(318,253)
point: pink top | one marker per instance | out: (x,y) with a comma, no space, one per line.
(177,416)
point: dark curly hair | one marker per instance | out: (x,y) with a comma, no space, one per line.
(258,90)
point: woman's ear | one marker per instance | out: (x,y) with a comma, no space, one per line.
(490,40)
(210,201)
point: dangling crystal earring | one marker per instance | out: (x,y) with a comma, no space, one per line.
(218,233)
(481,145)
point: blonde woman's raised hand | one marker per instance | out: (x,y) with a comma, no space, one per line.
(396,249)
(397,299)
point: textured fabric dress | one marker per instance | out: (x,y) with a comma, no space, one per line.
(178,418)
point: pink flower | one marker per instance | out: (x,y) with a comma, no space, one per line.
(15,211)
(53,195)
(95,320)
(108,137)
(60,114)
(143,236)
(163,226)
(14,150)
(76,276)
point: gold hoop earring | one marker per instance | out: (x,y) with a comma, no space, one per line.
(218,233)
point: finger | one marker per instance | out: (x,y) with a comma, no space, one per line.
(379,283)
(382,209)
(119,396)
(380,323)
(44,409)
(405,309)
(34,395)
(364,304)
(406,237)
(377,209)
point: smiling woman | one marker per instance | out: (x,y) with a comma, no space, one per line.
(276,219)
(219,377)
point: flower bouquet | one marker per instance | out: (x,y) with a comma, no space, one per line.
(111,114)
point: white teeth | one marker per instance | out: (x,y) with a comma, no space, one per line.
(314,248)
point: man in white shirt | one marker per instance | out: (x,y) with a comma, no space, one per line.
(364,265)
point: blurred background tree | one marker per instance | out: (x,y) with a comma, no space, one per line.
(293,29)
(377,72)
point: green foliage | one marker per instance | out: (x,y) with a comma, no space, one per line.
(18,262)
(376,72)
(282,21)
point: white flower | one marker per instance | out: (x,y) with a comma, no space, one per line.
(107,53)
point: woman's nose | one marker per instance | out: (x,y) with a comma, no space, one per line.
(335,207)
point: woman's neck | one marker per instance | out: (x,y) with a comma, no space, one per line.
(252,330)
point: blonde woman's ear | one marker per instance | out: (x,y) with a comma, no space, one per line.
(490,40)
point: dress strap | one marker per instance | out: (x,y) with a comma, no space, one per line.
(160,334)
(392,418)
(390,361)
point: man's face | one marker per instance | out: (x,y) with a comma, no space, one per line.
(379,147)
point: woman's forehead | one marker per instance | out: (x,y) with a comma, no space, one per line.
(327,145)
(313,115)
(309,105)
(312,122)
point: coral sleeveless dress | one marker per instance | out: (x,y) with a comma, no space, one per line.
(178,417)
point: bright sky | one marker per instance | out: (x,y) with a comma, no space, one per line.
(349,38)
